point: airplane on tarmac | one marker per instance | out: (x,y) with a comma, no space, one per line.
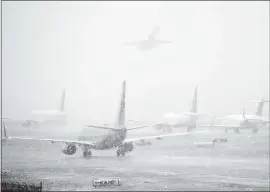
(186,120)
(48,117)
(243,121)
(116,137)
(150,43)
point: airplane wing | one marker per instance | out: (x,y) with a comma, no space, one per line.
(265,122)
(111,128)
(161,136)
(101,127)
(55,141)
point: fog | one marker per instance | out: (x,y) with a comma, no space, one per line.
(221,47)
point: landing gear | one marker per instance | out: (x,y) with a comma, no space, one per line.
(124,148)
(255,130)
(119,152)
(87,153)
(236,130)
(191,127)
(169,129)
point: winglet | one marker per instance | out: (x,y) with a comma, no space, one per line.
(144,126)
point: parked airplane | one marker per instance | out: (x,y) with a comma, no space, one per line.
(48,117)
(243,121)
(186,120)
(149,43)
(116,137)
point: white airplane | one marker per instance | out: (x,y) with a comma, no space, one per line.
(150,43)
(48,117)
(116,137)
(186,120)
(242,121)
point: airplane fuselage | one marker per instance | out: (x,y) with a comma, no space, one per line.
(180,120)
(112,140)
(147,45)
(252,121)
(46,119)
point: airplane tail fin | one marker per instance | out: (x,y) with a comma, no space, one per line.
(243,113)
(154,33)
(121,113)
(194,101)
(260,106)
(62,106)
(4,129)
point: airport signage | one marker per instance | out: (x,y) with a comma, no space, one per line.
(107,182)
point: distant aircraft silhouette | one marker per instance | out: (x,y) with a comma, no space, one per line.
(150,43)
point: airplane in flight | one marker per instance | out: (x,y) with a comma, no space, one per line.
(48,117)
(242,121)
(116,137)
(150,43)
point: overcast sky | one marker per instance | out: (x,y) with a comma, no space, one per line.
(221,47)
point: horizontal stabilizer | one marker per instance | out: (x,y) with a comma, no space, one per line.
(101,127)
(191,114)
(259,101)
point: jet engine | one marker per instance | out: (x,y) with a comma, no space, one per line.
(126,147)
(70,149)
(129,146)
